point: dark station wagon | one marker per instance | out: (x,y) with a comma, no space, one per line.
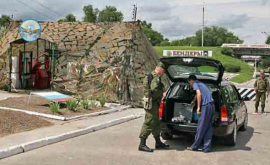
(178,115)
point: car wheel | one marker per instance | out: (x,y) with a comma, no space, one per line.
(231,139)
(166,136)
(245,124)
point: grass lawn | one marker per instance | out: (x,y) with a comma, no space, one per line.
(244,75)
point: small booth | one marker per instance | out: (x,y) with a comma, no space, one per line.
(31,64)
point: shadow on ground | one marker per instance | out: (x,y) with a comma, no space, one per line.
(182,142)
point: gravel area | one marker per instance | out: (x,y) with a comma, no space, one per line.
(16,122)
(38,104)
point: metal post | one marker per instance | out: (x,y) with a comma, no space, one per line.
(24,65)
(53,61)
(136,13)
(37,49)
(255,73)
(10,68)
(203,26)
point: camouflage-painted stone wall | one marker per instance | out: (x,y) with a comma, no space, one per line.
(119,57)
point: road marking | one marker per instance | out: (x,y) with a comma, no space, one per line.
(247,92)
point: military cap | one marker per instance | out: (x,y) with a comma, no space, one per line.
(161,65)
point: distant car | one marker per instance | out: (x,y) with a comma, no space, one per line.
(178,116)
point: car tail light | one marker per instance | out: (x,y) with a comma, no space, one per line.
(161,108)
(224,114)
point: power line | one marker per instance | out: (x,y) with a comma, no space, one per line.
(46,7)
(34,9)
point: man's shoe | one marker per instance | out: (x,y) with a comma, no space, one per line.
(144,147)
(192,149)
(206,151)
(160,144)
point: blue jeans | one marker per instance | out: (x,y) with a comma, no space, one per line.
(204,133)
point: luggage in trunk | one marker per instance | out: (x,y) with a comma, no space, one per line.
(184,113)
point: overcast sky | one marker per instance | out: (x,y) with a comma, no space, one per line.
(173,18)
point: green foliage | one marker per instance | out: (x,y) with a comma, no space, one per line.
(267,40)
(227,51)
(93,104)
(155,37)
(265,62)
(72,105)
(189,41)
(2,31)
(68,18)
(232,68)
(110,14)
(165,43)
(245,73)
(216,36)
(4,20)
(90,14)
(85,104)
(54,107)
(102,101)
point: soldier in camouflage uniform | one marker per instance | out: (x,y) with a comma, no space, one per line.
(261,87)
(151,101)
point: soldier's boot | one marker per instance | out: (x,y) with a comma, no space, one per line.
(160,144)
(144,147)
(262,109)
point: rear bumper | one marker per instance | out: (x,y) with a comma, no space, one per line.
(223,129)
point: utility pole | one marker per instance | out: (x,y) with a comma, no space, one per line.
(135,9)
(203,26)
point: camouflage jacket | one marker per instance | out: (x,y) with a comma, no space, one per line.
(157,87)
(262,85)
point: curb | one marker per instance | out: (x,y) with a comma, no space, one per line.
(14,150)
(100,113)
(35,113)
(67,118)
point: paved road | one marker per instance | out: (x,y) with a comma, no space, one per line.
(118,145)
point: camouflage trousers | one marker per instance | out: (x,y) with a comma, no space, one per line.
(260,96)
(151,123)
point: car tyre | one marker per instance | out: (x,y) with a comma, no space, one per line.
(245,124)
(166,136)
(231,139)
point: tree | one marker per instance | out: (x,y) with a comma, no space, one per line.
(4,20)
(110,14)
(90,14)
(267,40)
(155,37)
(216,36)
(227,51)
(189,41)
(68,18)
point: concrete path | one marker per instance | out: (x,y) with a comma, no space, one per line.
(118,146)
(62,127)
(4,95)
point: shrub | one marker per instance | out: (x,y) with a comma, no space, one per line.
(266,63)
(72,105)
(227,51)
(232,68)
(93,104)
(102,101)
(86,104)
(54,107)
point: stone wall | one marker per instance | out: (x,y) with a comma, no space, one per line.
(118,57)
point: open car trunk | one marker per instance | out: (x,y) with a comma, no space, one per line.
(179,108)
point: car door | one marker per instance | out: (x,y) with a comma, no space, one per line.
(235,103)
(242,107)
